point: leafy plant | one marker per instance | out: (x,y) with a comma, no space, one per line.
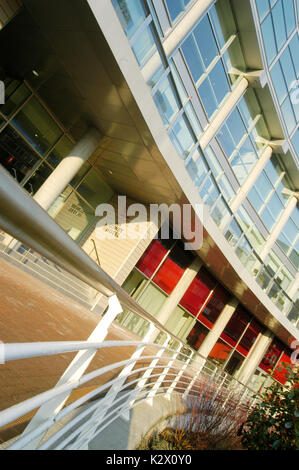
(274,422)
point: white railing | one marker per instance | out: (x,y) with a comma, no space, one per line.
(151,371)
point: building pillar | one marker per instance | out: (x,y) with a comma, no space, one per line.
(62,175)
(223,113)
(251,179)
(178,292)
(67,169)
(221,322)
(255,356)
(278,227)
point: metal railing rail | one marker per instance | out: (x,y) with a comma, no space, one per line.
(24,219)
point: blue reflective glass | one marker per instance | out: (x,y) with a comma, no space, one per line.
(271,172)
(263,186)
(217,26)
(289,14)
(269,40)
(183,135)
(219,82)
(279,82)
(226,141)
(208,192)
(207,97)
(294,48)
(275,206)
(267,220)
(262,8)
(197,168)
(236,126)
(166,101)
(279,28)
(144,46)
(255,199)
(284,243)
(248,154)
(205,40)
(131,14)
(295,141)
(294,256)
(239,168)
(288,68)
(288,114)
(176,7)
(192,57)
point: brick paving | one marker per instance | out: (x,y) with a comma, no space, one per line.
(32,311)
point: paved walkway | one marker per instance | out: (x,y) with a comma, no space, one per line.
(32,311)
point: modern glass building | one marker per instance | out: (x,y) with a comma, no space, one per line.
(169,101)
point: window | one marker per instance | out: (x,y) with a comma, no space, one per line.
(192,57)
(204,37)
(37,126)
(176,7)
(198,292)
(166,101)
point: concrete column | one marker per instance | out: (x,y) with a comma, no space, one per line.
(251,179)
(221,322)
(67,169)
(278,227)
(255,356)
(178,292)
(223,112)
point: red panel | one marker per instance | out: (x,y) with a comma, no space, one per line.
(197,335)
(168,275)
(215,305)
(280,372)
(220,352)
(249,337)
(271,357)
(151,258)
(235,326)
(198,291)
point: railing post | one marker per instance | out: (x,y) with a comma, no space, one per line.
(174,383)
(74,371)
(89,433)
(141,383)
(155,388)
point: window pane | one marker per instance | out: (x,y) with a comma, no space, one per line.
(235,326)
(216,304)
(198,292)
(180,323)
(166,101)
(144,46)
(151,258)
(207,97)
(196,168)
(15,155)
(219,82)
(94,189)
(220,352)
(15,94)
(38,178)
(197,335)
(278,82)
(262,8)
(182,135)
(61,150)
(236,126)
(279,28)
(131,14)
(176,7)
(269,41)
(289,14)
(192,57)
(37,126)
(206,42)
(226,141)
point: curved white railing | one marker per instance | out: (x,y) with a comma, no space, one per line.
(152,370)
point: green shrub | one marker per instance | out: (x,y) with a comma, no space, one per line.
(274,423)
